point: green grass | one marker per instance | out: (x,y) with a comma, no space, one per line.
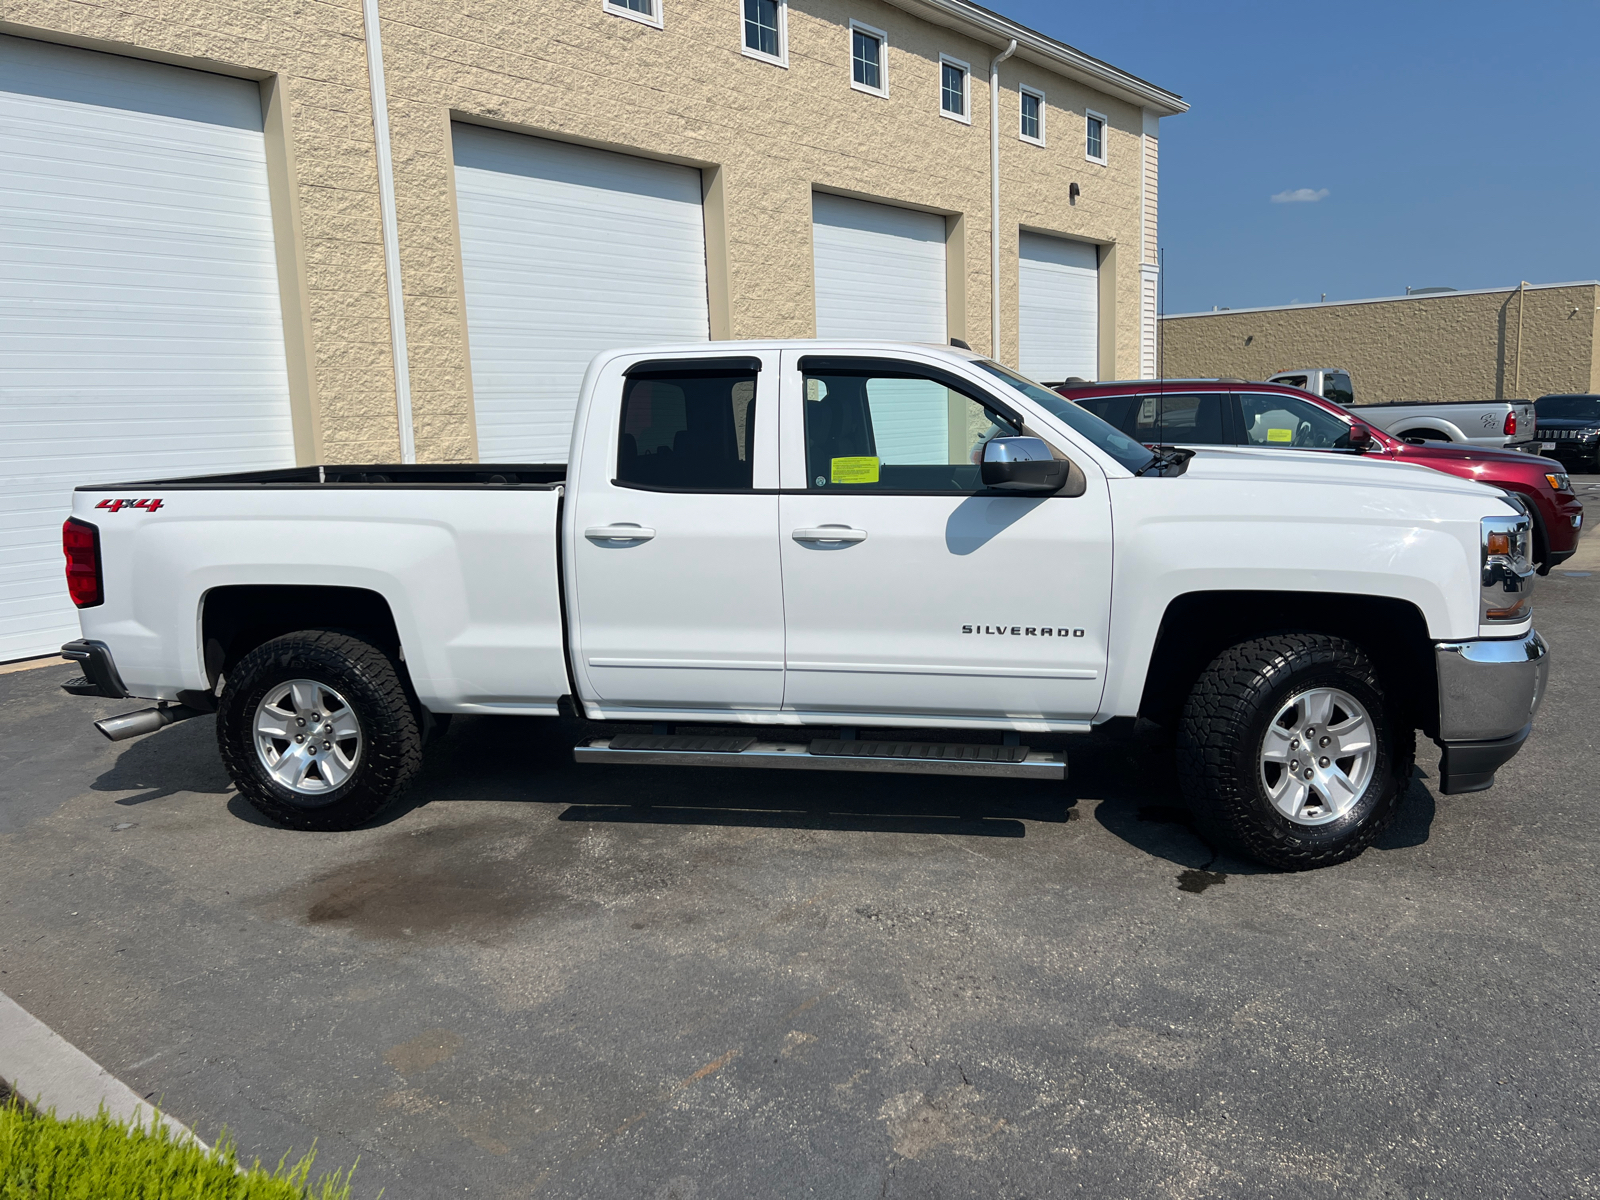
(44,1158)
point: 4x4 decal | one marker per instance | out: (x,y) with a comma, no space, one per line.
(119,505)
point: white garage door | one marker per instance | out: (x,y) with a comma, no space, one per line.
(140,327)
(880,273)
(567,251)
(1059,299)
(879,270)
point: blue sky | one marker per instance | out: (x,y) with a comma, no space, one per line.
(1458,143)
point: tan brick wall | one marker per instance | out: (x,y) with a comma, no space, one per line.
(1443,347)
(567,69)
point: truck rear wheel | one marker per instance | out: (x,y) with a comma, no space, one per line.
(317,731)
(1287,752)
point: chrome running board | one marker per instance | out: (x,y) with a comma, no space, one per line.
(823,754)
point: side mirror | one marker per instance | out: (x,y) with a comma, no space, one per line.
(1360,437)
(1022,464)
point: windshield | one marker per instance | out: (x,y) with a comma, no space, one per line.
(1105,437)
(1568,408)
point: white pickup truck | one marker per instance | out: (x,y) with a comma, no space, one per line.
(761,550)
(1497,424)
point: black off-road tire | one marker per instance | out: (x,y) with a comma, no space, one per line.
(1220,738)
(370,681)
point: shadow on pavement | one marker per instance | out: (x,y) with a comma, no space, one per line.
(180,758)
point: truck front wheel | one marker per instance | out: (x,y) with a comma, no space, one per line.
(316,730)
(1287,752)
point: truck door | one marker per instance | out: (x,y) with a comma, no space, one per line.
(675,595)
(908,588)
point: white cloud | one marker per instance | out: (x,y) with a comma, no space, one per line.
(1300,196)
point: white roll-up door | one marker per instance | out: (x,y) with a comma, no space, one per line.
(141,333)
(880,270)
(1058,293)
(567,251)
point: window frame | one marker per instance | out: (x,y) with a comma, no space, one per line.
(1025,90)
(965,115)
(655,21)
(1089,114)
(781,59)
(883,58)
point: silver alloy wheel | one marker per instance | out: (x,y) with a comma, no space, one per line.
(307,737)
(1318,755)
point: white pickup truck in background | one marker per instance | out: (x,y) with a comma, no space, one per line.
(1498,424)
(760,550)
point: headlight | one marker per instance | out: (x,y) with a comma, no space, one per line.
(1559,481)
(1506,582)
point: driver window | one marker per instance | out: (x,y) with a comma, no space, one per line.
(894,433)
(1284,423)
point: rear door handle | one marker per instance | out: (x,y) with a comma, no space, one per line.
(830,533)
(619,533)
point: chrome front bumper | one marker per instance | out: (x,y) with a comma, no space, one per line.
(1489,690)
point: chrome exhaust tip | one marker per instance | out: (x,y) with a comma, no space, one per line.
(148,720)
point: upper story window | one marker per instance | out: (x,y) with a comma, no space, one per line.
(955,96)
(869,68)
(1032,125)
(765,24)
(1094,145)
(646,11)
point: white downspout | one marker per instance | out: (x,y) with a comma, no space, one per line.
(391,231)
(994,198)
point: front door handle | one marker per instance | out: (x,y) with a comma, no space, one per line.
(830,533)
(619,533)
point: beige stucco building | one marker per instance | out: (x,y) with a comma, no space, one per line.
(1491,343)
(666,81)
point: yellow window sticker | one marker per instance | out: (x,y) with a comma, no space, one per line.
(1277,435)
(855,470)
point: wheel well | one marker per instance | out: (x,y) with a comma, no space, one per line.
(1425,435)
(235,620)
(1200,625)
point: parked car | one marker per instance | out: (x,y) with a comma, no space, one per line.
(1195,412)
(1569,429)
(1506,424)
(933,542)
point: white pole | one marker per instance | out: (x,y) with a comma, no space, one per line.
(994,198)
(391,232)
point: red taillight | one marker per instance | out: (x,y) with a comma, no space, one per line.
(1511,423)
(80,542)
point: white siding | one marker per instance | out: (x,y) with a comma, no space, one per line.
(1058,291)
(1149,281)
(567,251)
(141,333)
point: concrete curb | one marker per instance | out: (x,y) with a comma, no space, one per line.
(48,1071)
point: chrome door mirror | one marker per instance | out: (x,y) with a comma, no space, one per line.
(1022,464)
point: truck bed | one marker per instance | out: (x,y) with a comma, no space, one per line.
(395,475)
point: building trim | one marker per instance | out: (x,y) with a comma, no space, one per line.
(1532,287)
(1035,47)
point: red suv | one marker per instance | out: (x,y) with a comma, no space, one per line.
(1226,412)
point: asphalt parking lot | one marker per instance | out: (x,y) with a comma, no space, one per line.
(544,979)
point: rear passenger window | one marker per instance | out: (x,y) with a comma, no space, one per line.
(1175,419)
(1113,410)
(688,431)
